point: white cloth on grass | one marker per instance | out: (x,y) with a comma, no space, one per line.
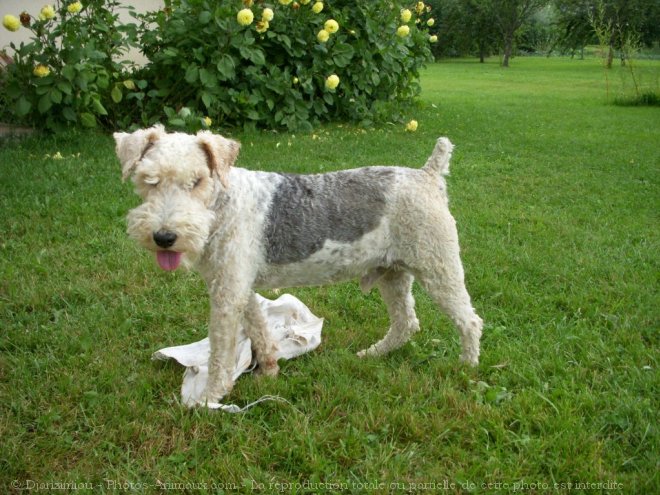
(293,327)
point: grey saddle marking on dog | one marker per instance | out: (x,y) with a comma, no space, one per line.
(307,210)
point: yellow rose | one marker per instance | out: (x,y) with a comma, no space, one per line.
(295,80)
(285,2)
(332,81)
(430,22)
(420,7)
(403,31)
(323,36)
(207,121)
(433,39)
(317,7)
(267,15)
(305,2)
(245,17)
(406,15)
(41,71)
(74,8)
(411,126)
(331,26)
(47,13)
(262,26)
(12,23)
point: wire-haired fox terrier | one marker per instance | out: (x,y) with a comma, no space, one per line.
(244,229)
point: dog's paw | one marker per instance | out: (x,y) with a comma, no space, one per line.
(368,352)
(269,368)
(470,359)
(214,393)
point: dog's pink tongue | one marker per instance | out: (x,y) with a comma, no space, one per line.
(168,260)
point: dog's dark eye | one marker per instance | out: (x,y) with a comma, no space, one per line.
(197,182)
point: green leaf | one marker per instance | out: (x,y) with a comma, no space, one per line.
(207,99)
(64,87)
(257,57)
(14,90)
(208,78)
(88,120)
(69,114)
(56,96)
(103,81)
(23,107)
(116,94)
(192,73)
(45,103)
(342,53)
(226,68)
(254,55)
(205,17)
(69,72)
(98,107)
(42,90)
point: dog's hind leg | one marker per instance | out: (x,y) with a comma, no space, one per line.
(396,289)
(443,279)
(264,348)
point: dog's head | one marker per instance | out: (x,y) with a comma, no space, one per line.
(178,177)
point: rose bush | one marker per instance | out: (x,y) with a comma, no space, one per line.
(209,57)
(68,73)
(254,63)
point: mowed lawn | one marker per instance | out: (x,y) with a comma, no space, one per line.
(557,199)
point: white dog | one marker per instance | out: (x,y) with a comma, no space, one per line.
(244,230)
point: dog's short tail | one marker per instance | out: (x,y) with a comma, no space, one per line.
(438,162)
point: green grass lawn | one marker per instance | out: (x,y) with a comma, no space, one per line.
(556,195)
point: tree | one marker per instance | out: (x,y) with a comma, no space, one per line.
(509,16)
(478,14)
(573,24)
(464,27)
(614,22)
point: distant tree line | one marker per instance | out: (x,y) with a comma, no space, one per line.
(486,27)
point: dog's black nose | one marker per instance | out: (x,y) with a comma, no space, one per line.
(164,238)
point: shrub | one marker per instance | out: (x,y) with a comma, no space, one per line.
(226,60)
(265,64)
(68,73)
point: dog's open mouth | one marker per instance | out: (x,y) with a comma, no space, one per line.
(168,260)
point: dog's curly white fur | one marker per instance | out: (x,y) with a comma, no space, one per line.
(244,230)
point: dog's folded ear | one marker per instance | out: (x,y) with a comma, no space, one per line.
(221,153)
(131,148)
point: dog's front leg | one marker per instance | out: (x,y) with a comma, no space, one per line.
(224,325)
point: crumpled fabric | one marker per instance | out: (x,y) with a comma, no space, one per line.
(293,327)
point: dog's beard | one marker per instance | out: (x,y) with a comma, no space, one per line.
(191,226)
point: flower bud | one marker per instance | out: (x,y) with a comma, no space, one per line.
(47,13)
(245,17)
(332,81)
(10,22)
(331,26)
(267,15)
(74,8)
(41,71)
